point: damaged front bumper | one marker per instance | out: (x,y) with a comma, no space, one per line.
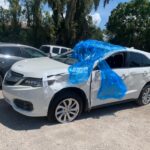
(28,101)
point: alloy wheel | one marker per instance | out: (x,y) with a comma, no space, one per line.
(146,96)
(67,110)
(1,80)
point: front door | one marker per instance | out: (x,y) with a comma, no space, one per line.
(117,63)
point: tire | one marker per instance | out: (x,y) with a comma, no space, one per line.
(144,98)
(57,111)
(1,80)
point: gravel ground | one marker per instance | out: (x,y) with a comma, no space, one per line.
(119,127)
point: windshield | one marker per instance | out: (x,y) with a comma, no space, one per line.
(66,58)
(32,53)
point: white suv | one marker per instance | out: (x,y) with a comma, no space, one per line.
(40,87)
(54,50)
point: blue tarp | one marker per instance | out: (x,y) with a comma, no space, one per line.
(87,53)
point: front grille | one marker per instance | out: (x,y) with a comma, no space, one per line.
(12,78)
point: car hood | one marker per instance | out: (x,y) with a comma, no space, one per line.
(39,67)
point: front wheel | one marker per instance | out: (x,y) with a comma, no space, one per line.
(144,98)
(66,108)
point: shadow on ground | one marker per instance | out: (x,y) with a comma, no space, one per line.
(16,121)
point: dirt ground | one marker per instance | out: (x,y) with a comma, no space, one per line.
(119,127)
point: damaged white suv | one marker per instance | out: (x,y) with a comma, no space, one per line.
(40,87)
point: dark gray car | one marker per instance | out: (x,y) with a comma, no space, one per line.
(11,53)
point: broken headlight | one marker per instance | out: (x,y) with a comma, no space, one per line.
(34,82)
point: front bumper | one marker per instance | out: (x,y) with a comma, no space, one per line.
(38,97)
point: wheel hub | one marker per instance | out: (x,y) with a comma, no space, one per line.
(67,110)
(0,80)
(146,96)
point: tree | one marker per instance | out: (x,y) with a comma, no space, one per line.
(15,11)
(4,21)
(129,24)
(71,19)
(39,23)
(27,22)
(14,22)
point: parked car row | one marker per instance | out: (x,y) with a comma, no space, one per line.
(40,87)
(11,53)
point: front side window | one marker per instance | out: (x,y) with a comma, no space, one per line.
(12,51)
(116,60)
(32,53)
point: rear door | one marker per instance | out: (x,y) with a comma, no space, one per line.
(63,50)
(55,51)
(117,62)
(139,72)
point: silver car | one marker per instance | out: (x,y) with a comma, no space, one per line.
(40,87)
(11,53)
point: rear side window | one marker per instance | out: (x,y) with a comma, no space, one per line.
(63,50)
(45,49)
(117,60)
(12,51)
(137,60)
(145,61)
(56,50)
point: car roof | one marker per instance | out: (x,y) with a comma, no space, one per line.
(15,45)
(139,51)
(127,49)
(147,54)
(56,46)
(123,50)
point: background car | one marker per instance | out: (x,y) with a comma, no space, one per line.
(53,50)
(11,53)
(45,90)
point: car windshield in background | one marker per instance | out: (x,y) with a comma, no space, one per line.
(45,49)
(33,53)
(66,58)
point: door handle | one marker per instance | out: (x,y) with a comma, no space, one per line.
(124,76)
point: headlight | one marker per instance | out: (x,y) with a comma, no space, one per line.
(34,82)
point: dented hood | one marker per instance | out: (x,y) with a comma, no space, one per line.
(39,67)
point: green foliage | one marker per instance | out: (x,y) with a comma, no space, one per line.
(129,24)
(26,22)
(74,26)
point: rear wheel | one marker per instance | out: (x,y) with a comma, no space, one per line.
(1,80)
(144,98)
(65,108)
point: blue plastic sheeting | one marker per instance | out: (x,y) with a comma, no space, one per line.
(94,50)
(112,86)
(80,72)
(87,53)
